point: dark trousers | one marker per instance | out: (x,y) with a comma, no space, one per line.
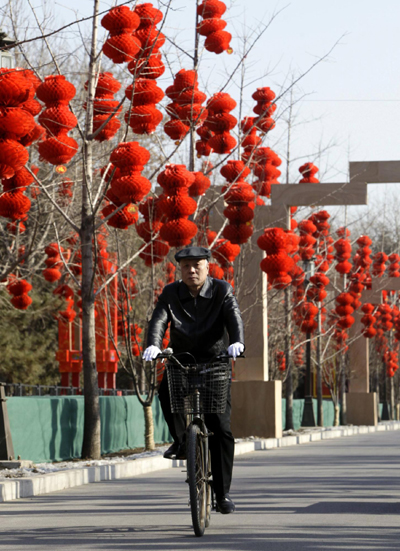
(222,443)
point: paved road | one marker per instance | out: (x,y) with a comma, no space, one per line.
(337,495)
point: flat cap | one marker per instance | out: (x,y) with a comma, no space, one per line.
(193,252)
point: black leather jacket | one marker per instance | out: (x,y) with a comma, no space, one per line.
(203,326)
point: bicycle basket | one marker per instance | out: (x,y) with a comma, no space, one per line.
(212,382)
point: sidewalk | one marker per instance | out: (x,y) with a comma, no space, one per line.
(86,472)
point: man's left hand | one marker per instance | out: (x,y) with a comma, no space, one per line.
(235,349)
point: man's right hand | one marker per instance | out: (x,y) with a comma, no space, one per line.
(151,353)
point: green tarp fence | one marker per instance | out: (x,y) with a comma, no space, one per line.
(298,407)
(48,428)
(51,428)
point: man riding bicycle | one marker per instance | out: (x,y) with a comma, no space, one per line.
(204,321)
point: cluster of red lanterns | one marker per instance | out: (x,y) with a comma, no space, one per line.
(69,314)
(148,63)
(344,310)
(128,186)
(156,249)
(169,273)
(394,265)
(53,262)
(104,106)
(18,129)
(308,171)
(150,38)
(212,26)
(56,92)
(396,323)
(143,116)
(391,360)
(19,289)
(385,318)
(265,164)
(316,291)
(250,140)
(64,290)
(324,256)
(304,315)
(187,107)
(130,158)
(278,263)
(104,266)
(16,121)
(225,254)
(200,184)
(362,259)
(177,205)
(379,264)
(239,196)
(215,271)
(264,109)
(215,131)
(122,45)
(307,229)
(280,360)
(343,251)
(120,216)
(368,320)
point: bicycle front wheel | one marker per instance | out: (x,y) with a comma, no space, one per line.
(197,478)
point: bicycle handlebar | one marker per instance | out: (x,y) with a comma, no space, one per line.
(168,354)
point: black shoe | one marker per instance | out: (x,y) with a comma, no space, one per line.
(176,451)
(181,454)
(225,505)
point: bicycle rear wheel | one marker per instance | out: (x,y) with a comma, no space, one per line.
(197,478)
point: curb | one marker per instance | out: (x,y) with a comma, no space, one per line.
(62,480)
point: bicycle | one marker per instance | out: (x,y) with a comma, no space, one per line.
(195,390)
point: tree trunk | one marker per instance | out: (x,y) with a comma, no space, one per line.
(392,402)
(289,380)
(336,419)
(320,406)
(377,390)
(91,437)
(149,428)
(343,403)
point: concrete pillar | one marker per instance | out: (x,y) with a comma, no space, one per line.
(361,404)
(257,409)
(358,357)
(362,408)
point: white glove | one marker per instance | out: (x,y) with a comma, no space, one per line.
(235,349)
(151,353)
